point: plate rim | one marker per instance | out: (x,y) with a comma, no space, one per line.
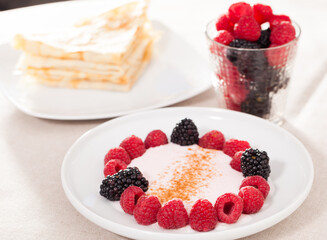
(226,234)
(169,102)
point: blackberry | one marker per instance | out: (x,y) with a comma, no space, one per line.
(264,41)
(114,185)
(279,79)
(241,43)
(255,162)
(257,104)
(185,133)
(249,63)
(233,54)
(253,65)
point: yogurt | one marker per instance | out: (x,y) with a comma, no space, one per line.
(188,173)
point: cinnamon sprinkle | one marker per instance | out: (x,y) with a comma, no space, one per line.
(188,176)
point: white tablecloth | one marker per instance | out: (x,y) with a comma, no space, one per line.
(32,202)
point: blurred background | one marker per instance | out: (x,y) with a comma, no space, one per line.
(10,4)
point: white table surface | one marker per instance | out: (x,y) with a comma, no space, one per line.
(32,202)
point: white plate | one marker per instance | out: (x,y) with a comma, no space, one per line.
(292,170)
(176,72)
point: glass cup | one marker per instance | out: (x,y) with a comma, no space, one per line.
(253,81)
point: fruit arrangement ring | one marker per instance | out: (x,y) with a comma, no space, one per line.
(129,186)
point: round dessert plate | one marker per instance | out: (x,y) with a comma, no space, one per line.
(291,176)
(169,78)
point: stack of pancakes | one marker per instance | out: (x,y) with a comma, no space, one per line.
(108,51)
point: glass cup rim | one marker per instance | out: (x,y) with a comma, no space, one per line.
(298,33)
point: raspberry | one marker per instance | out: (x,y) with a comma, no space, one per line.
(247,28)
(129,198)
(146,209)
(229,208)
(173,215)
(235,163)
(262,13)
(237,92)
(277,57)
(155,138)
(185,133)
(258,182)
(134,146)
(238,10)
(236,89)
(230,104)
(252,199)
(278,19)
(224,37)
(117,153)
(212,140)
(282,33)
(224,23)
(233,146)
(203,217)
(216,49)
(113,166)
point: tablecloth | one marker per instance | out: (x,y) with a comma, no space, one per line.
(32,202)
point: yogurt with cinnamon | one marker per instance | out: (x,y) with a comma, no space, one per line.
(188,173)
